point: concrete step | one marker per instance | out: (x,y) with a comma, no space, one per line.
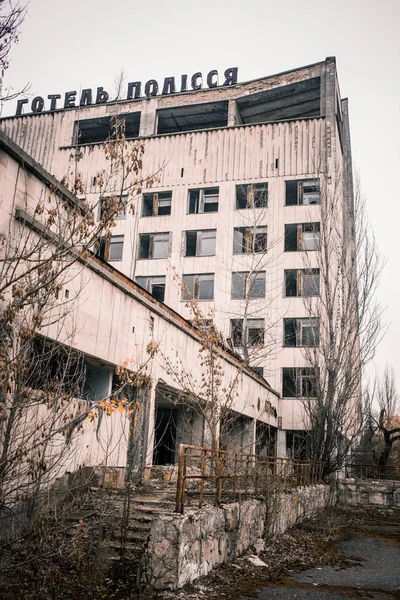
(141,516)
(134,548)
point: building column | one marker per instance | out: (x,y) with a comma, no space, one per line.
(281,443)
(234,117)
(148,118)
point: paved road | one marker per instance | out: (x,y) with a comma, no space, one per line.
(370,569)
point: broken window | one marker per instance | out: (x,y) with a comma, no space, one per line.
(200,243)
(248,285)
(154,245)
(202,201)
(300,382)
(247,333)
(301,332)
(249,239)
(198,287)
(110,248)
(301,282)
(252,195)
(153,284)
(304,192)
(93,131)
(156,204)
(302,236)
(110,204)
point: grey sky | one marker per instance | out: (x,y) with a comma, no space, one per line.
(70,45)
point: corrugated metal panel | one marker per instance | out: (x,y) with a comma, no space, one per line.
(240,153)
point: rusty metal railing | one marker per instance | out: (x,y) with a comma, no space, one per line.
(223,475)
(355,471)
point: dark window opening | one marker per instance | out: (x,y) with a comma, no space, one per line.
(303,192)
(198,287)
(265,439)
(252,195)
(301,282)
(154,245)
(190,118)
(258,371)
(247,240)
(301,332)
(165,436)
(156,204)
(297,445)
(92,131)
(153,284)
(203,201)
(249,333)
(110,248)
(200,243)
(53,367)
(302,236)
(300,382)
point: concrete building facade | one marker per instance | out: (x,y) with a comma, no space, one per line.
(232,217)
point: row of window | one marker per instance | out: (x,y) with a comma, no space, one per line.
(202,242)
(206,200)
(255,195)
(245,285)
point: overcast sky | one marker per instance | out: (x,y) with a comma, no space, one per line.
(72,45)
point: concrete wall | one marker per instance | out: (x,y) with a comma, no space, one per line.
(369,493)
(185,547)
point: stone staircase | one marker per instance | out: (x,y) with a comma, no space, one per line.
(129,545)
(125,539)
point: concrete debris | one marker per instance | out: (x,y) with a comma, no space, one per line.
(257,562)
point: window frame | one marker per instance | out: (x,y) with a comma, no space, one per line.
(155,203)
(121,215)
(299,275)
(301,377)
(301,229)
(200,235)
(299,193)
(248,278)
(250,193)
(249,239)
(114,242)
(194,293)
(151,245)
(236,328)
(202,200)
(294,330)
(150,283)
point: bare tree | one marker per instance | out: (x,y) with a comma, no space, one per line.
(12,15)
(344,320)
(382,421)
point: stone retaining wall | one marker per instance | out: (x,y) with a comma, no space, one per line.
(369,493)
(185,547)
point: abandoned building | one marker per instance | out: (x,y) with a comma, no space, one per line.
(111,321)
(232,220)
